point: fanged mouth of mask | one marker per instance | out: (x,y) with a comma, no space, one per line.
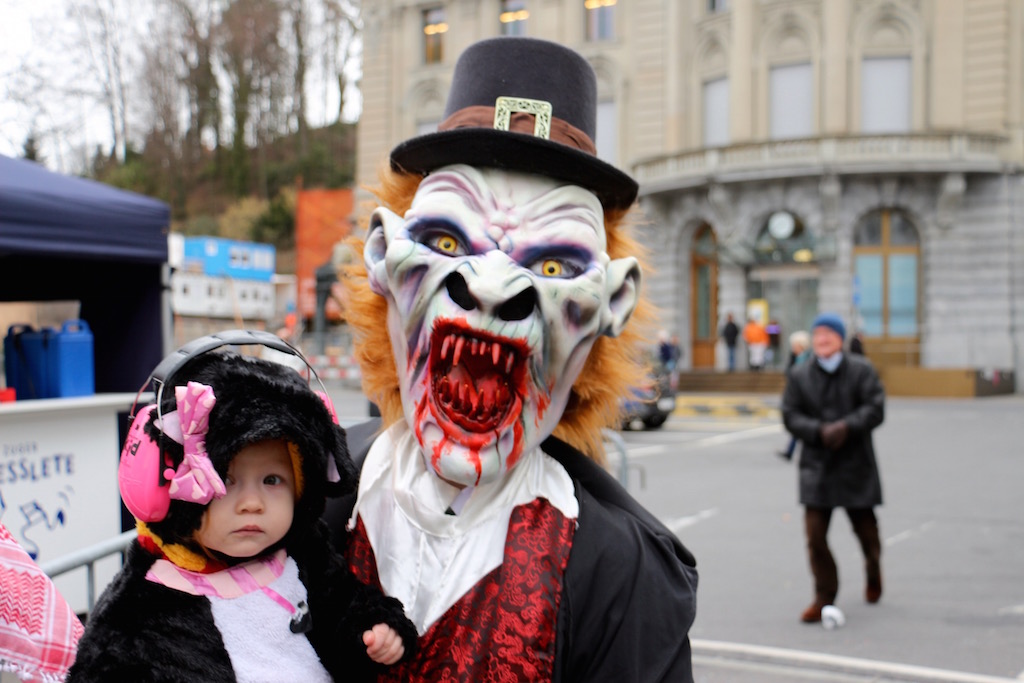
(474,377)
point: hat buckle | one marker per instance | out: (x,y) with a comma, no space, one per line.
(504,107)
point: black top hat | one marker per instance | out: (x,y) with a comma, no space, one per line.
(521,104)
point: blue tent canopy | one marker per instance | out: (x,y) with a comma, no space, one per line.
(42,212)
(67,238)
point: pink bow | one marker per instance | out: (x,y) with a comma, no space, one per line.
(195,480)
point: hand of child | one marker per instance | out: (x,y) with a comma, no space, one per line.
(383,644)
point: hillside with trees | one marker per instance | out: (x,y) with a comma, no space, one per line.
(207,103)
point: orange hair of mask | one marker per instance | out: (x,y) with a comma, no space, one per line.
(613,366)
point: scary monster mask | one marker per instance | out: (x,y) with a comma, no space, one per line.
(498,284)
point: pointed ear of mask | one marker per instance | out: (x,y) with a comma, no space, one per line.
(382,223)
(623,288)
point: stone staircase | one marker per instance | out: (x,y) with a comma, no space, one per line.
(741,382)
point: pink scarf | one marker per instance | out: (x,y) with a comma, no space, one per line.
(38,631)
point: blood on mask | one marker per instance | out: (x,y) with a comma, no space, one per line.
(476,379)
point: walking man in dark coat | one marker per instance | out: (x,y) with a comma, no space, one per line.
(730,333)
(832,405)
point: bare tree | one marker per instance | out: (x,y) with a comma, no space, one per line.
(300,27)
(196,53)
(105,31)
(343,22)
(165,144)
(251,52)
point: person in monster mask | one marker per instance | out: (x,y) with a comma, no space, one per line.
(491,314)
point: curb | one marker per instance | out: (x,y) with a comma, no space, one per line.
(815,661)
(726,406)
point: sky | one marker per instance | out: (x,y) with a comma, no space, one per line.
(17,45)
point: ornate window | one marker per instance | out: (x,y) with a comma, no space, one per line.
(513,17)
(886,254)
(600,19)
(434,28)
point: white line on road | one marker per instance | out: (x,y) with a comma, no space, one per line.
(719,439)
(680,523)
(1012,609)
(909,533)
(645,451)
(827,662)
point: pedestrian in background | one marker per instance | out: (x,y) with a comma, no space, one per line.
(832,404)
(857,344)
(730,333)
(756,337)
(774,331)
(799,351)
(670,353)
(668,350)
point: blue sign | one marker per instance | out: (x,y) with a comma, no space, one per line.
(220,257)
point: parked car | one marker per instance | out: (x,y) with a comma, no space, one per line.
(650,404)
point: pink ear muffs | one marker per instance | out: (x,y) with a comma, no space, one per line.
(147,481)
(139,474)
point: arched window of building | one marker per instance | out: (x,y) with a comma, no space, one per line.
(886,257)
(703,296)
(889,53)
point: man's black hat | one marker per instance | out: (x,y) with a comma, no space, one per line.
(521,104)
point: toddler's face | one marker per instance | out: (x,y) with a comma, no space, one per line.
(258,508)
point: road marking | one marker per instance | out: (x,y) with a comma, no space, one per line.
(1012,609)
(909,533)
(645,451)
(719,439)
(703,442)
(677,525)
(818,661)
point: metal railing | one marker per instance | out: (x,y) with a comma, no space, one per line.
(960,149)
(89,557)
(623,464)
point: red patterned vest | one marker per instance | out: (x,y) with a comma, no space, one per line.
(502,629)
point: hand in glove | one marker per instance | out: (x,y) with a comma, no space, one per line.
(833,434)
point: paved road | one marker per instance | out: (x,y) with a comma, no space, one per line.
(953,529)
(953,556)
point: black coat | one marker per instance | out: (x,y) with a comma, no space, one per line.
(630,587)
(846,477)
(145,632)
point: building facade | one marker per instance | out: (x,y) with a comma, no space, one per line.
(860,156)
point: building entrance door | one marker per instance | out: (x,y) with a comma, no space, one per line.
(792,296)
(703,297)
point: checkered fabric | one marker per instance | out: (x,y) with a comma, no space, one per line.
(38,631)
